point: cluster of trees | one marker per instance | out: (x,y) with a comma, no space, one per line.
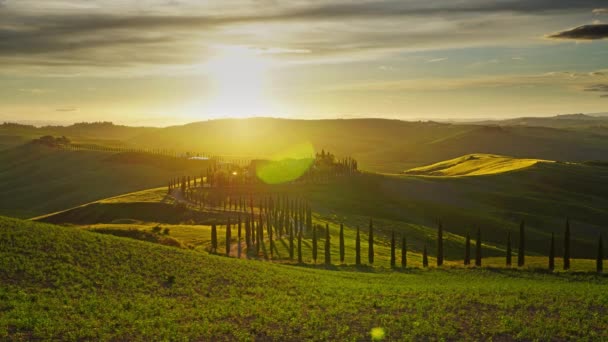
(224,174)
(277,217)
(51,141)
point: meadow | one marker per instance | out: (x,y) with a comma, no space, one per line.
(62,283)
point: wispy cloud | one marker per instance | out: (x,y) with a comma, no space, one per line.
(435,60)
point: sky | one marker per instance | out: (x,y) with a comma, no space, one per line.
(163,62)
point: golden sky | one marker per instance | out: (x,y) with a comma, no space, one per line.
(161,62)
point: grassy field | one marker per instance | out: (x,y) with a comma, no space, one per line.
(68,284)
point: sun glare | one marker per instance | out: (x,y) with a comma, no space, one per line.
(239,76)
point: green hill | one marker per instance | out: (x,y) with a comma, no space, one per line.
(412,206)
(64,284)
(36,180)
(475,165)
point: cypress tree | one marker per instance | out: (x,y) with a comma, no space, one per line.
(248,234)
(439,245)
(425,257)
(327,246)
(290,242)
(599,262)
(567,246)
(228,237)
(393,250)
(239,238)
(341,243)
(370,254)
(478,249)
(467,250)
(299,246)
(213,239)
(552,254)
(314,244)
(509,252)
(403,252)
(358,248)
(521,253)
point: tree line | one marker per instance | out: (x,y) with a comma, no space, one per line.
(302,219)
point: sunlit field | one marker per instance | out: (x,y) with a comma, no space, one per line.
(328,170)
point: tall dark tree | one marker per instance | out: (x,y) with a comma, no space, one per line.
(299,245)
(341,243)
(239,247)
(425,257)
(314,244)
(439,245)
(403,252)
(393,258)
(291,252)
(213,238)
(509,252)
(370,241)
(248,234)
(521,252)
(327,246)
(567,246)
(552,253)
(228,238)
(478,249)
(467,249)
(599,262)
(358,248)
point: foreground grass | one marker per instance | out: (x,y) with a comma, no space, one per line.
(63,283)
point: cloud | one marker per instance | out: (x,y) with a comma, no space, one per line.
(37,37)
(573,80)
(585,32)
(599,88)
(435,60)
(67,109)
(599,11)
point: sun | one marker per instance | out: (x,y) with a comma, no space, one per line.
(239,78)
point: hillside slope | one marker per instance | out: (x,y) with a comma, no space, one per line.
(64,284)
(36,180)
(475,165)
(543,195)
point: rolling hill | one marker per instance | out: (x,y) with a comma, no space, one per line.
(36,180)
(379,145)
(61,283)
(543,195)
(475,165)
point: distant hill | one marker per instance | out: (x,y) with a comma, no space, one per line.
(474,165)
(378,144)
(559,121)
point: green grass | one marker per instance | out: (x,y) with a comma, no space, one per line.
(474,165)
(67,284)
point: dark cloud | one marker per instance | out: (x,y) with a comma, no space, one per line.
(585,32)
(599,88)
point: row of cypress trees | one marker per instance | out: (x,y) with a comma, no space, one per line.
(393,244)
